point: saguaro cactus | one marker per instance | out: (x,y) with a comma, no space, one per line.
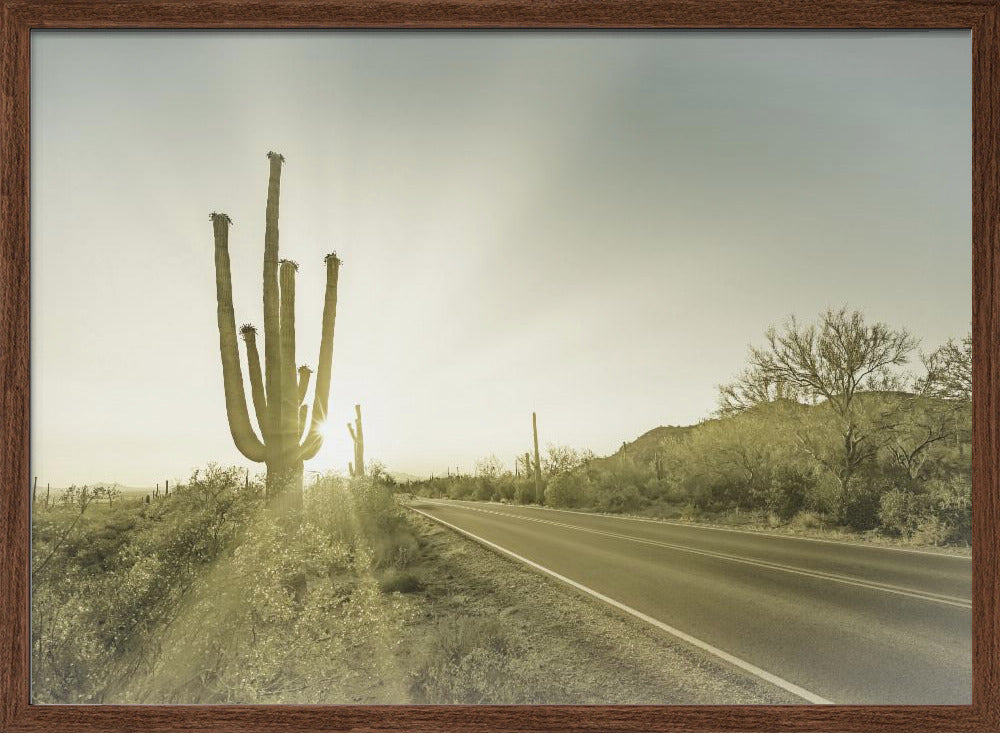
(357,468)
(538,460)
(277,395)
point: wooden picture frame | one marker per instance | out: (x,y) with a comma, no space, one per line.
(20,17)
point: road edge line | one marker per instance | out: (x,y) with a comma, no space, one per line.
(687,638)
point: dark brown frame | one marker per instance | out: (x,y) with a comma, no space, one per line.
(19,17)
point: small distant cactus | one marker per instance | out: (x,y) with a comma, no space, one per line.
(357,467)
(278,390)
(538,461)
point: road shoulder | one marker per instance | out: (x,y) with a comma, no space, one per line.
(569,648)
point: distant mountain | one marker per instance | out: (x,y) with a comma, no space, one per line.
(642,448)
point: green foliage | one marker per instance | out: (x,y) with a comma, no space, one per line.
(568,490)
(822,430)
(104,578)
(196,598)
(260,641)
(768,465)
(940,514)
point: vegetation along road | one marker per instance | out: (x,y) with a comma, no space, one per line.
(830,622)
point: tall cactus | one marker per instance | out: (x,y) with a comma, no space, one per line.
(357,467)
(278,390)
(538,461)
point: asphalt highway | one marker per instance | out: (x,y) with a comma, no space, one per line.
(828,621)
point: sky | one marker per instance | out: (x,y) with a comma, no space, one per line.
(591,225)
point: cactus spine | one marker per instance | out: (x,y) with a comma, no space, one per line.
(538,461)
(278,390)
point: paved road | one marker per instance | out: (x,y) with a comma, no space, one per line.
(848,624)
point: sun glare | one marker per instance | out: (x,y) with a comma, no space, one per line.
(336,450)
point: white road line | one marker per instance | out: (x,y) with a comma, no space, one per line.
(846,580)
(704,646)
(753,532)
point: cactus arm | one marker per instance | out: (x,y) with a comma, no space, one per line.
(289,382)
(256,379)
(304,374)
(244,437)
(303,417)
(272,343)
(354,438)
(314,439)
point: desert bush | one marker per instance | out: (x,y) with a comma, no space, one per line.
(619,499)
(940,514)
(401,581)
(788,491)
(807,520)
(952,505)
(260,637)
(861,512)
(568,490)
(105,578)
(475,661)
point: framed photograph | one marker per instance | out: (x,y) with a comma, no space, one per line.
(499,366)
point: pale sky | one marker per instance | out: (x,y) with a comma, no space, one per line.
(592,225)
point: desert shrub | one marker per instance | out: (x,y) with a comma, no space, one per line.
(105,578)
(476,661)
(619,499)
(568,490)
(862,511)
(952,505)
(940,514)
(398,581)
(461,487)
(807,520)
(787,493)
(358,512)
(931,530)
(485,489)
(655,490)
(899,513)
(525,491)
(273,621)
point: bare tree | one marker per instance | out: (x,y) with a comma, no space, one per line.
(564,459)
(949,370)
(833,362)
(489,468)
(928,422)
(754,387)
